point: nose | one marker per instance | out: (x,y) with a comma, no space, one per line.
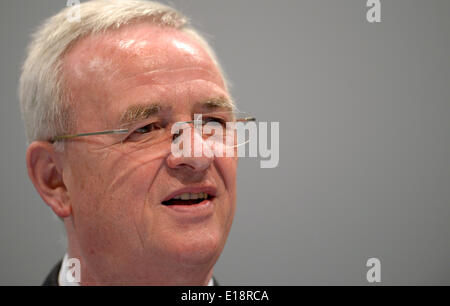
(197,160)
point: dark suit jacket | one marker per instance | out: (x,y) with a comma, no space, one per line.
(52,277)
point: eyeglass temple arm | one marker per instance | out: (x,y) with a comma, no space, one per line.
(123,131)
(57,138)
(246,119)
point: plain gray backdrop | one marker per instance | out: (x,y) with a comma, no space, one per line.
(364,165)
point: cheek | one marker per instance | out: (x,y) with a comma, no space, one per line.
(114,176)
(227,168)
(84,183)
(110,193)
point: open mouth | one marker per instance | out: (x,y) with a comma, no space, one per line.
(188,198)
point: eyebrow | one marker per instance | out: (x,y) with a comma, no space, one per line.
(139,112)
(217,103)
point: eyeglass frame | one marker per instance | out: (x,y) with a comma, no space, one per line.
(124,131)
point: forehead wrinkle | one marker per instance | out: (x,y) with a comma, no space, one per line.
(160,75)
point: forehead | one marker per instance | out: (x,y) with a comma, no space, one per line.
(106,73)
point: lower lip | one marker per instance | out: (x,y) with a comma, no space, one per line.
(199,208)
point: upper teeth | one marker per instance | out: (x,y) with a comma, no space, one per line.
(191,196)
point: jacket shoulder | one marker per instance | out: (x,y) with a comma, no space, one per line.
(52,277)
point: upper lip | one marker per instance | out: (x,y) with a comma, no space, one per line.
(210,190)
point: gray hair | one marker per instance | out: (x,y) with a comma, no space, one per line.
(42,96)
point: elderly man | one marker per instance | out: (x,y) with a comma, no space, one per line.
(99,97)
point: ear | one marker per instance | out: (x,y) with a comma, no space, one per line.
(45,171)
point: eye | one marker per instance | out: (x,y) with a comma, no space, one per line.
(148,128)
(207,120)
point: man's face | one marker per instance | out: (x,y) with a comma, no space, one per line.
(116,191)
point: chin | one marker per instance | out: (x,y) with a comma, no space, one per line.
(198,248)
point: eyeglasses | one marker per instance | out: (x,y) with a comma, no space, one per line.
(215,127)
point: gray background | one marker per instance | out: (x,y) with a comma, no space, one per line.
(364,117)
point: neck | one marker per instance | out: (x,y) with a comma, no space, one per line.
(156,272)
